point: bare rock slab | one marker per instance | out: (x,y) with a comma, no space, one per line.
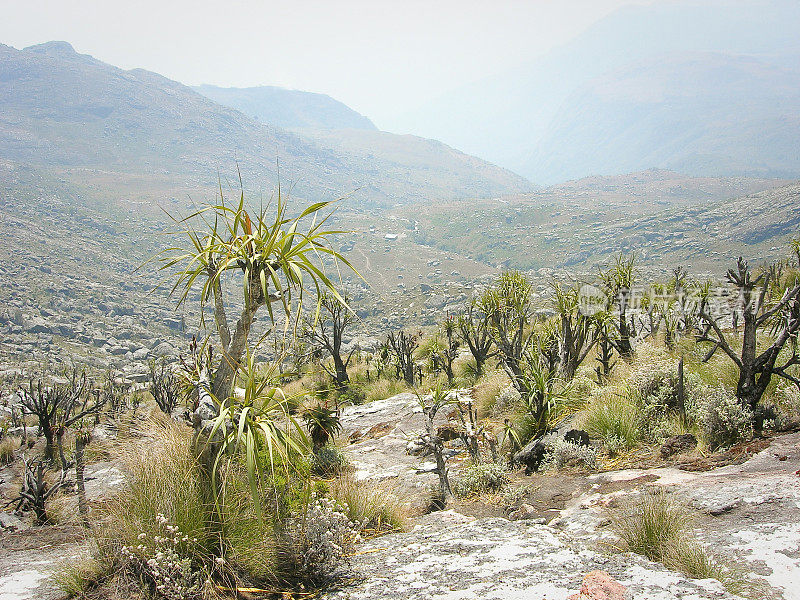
(452,557)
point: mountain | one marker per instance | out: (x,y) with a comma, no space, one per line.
(73,115)
(289,109)
(504,118)
(700,114)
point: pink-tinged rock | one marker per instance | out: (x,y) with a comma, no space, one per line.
(599,585)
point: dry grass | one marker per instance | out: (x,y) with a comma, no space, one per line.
(164,479)
(79,575)
(374,506)
(8,448)
(487,390)
(383,388)
(658,526)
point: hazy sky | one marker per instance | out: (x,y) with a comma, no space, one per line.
(380,57)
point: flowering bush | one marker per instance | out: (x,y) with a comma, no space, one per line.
(165,560)
(321,541)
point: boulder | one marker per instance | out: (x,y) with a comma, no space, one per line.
(599,585)
(531,455)
(525,512)
(577,436)
(10,522)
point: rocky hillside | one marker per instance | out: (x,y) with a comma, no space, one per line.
(70,113)
(666,219)
(290,109)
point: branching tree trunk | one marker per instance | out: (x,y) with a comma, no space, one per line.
(81,439)
(57,407)
(782,316)
(327,332)
(510,316)
(579,333)
(618,282)
(473,327)
(445,351)
(402,346)
(271,255)
(35,491)
(164,386)
(439,399)
(605,357)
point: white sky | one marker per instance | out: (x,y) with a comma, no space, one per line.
(381,57)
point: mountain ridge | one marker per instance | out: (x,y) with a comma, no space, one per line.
(289,109)
(64,111)
(503,118)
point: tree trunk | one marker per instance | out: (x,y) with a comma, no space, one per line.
(231,357)
(479,361)
(49,438)
(62,457)
(342,378)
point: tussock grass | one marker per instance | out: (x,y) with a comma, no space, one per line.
(8,448)
(655,526)
(164,478)
(487,390)
(79,576)
(614,418)
(383,388)
(250,542)
(373,506)
(659,527)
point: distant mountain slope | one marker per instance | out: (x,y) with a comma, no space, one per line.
(665,218)
(290,109)
(700,114)
(66,111)
(504,118)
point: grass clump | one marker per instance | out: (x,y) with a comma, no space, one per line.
(659,527)
(78,576)
(373,506)
(655,525)
(481,478)
(383,388)
(615,419)
(8,447)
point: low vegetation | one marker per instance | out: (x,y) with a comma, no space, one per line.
(236,478)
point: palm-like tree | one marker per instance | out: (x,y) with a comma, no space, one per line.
(277,263)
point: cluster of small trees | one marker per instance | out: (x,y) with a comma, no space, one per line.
(540,349)
(541,352)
